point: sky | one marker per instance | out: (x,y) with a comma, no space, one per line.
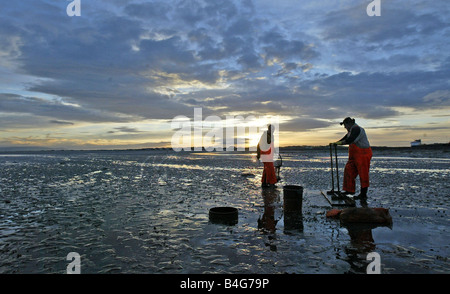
(118,75)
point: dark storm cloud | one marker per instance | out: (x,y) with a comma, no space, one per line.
(409,36)
(398,22)
(275,45)
(12,103)
(375,95)
(368,95)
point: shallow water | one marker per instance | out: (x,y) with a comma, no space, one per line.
(147,212)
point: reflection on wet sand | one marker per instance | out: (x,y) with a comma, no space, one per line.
(359,223)
(291,215)
(361,243)
(267,222)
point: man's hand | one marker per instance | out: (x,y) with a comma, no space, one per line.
(337,143)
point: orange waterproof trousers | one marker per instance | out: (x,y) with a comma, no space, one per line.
(268,176)
(358,164)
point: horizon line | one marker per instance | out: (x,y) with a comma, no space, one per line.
(246,149)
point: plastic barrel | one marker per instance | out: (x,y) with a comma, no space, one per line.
(224,215)
(292,206)
(292,198)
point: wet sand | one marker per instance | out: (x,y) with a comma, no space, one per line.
(147,212)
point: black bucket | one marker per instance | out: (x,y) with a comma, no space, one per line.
(292,198)
(224,215)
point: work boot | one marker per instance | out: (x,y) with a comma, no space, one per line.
(363,194)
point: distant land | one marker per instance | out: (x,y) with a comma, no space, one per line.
(436,146)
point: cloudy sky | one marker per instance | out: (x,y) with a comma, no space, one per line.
(117,76)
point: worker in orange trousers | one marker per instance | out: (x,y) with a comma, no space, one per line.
(265,151)
(359,157)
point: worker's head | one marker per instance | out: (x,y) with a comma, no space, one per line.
(348,123)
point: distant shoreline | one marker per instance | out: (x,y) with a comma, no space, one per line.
(445,147)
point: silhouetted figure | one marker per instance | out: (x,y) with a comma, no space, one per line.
(359,156)
(265,151)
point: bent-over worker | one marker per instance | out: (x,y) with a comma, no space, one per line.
(359,156)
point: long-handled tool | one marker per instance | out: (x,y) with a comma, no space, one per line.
(337,194)
(332,191)
(337,168)
(332,175)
